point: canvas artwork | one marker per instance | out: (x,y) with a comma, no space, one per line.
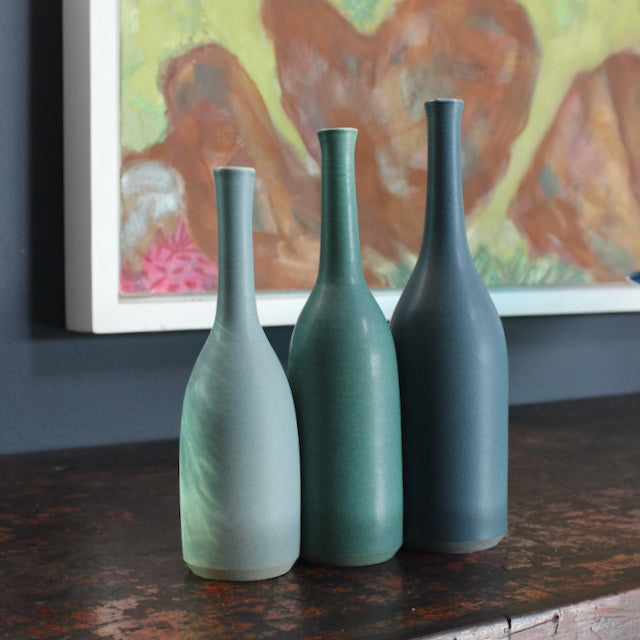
(550,133)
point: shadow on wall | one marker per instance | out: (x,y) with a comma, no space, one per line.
(46,170)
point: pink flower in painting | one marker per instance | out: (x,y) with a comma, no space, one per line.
(171,265)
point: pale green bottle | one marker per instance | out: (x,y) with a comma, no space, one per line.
(239,449)
(343,374)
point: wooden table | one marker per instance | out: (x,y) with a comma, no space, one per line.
(90,548)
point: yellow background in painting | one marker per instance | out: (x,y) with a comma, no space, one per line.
(573,36)
(153,32)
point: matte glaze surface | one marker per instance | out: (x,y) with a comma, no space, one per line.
(452,361)
(239,457)
(343,374)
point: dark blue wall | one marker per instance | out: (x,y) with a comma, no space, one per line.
(59,389)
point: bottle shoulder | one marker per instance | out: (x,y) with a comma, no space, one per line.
(341,321)
(446,303)
(345,306)
(236,352)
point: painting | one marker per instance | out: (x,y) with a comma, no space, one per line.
(550,142)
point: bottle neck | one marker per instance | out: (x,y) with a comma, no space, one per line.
(445,232)
(340,259)
(236,305)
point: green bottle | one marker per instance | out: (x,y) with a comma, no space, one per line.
(344,378)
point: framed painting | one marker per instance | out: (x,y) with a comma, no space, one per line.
(158,93)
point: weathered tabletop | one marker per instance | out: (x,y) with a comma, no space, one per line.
(90,548)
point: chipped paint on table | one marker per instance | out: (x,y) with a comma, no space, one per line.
(90,548)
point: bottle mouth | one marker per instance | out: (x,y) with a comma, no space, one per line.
(444,108)
(438,101)
(234,170)
(332,130)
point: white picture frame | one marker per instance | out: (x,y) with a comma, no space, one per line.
(92,212)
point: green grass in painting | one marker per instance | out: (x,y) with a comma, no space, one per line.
(518,270)
(521,270)
(394,274)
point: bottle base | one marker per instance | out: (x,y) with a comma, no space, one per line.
(360,560)
(467,546)
(241,575)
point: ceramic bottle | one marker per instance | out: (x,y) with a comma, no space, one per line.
(452,361)
(239,448)
(343,374)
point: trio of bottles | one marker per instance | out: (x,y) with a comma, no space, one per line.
(382,434)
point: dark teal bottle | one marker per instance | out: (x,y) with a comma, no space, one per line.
(452,361)
(344,378)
